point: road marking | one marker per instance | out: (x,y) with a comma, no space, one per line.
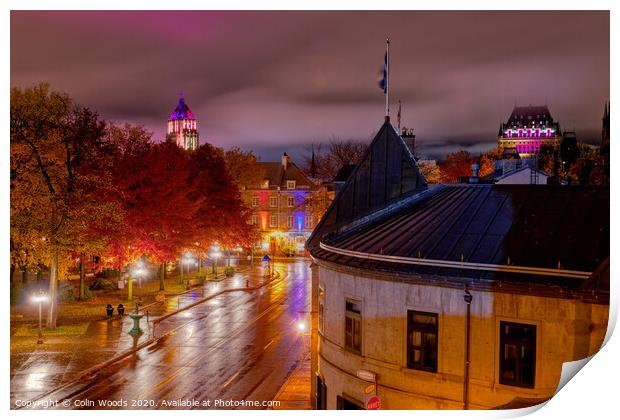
(268,344)
(232,378)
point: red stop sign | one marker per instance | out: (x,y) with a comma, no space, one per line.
(373,403)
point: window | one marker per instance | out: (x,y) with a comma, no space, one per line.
(291,201)
(255,201)
(308,221)
(321,394)
(273,220)
(517,354)
(290,185)
(353,326)
(273,201)
(289,221)
(321,310)
(422,341)
(254,219)
(265,183)
(343,403)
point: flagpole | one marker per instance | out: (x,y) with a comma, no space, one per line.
(387,81)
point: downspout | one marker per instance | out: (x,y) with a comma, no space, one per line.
(468,298)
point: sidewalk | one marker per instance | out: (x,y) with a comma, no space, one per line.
(295,393)
(36,369)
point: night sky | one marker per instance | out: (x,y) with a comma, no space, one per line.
(278,81)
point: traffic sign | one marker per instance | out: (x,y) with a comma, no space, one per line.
(373,403)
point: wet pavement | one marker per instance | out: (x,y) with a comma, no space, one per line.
(236,347)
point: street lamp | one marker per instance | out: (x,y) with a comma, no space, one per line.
(215,254)
(40,298)
(138,272)
(301,326)
(187,260)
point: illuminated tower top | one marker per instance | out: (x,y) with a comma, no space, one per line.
(183,126)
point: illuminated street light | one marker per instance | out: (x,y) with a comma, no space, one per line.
(187,260)
(301,326)
(215,255)
(40,298)
(138,273)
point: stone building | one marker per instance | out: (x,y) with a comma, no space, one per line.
(284,207)
(460,296)
(527,129)
(183,126)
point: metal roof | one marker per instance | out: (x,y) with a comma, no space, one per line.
(386,174)
(545,227)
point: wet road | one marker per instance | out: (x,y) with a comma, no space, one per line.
(239,346)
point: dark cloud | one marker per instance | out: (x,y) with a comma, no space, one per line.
(272,80)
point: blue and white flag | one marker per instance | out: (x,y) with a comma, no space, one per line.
(383,82)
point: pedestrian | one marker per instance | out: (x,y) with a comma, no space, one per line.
(121,310)
(109,310)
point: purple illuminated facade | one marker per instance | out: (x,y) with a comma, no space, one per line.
(285,207)
(183,126)
(527,129)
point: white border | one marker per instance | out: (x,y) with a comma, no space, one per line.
(593,394)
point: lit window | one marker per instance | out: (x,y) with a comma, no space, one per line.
(517,363)
(308,221)
(353,326)
(289,221)
(273,201)
(422,341)
(273,220)
(254,219)
(290,185)
(291,201)
(265,183)
(254,201)
(321,310)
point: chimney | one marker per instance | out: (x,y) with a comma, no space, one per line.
(285,161)
(474,173)
(409,138)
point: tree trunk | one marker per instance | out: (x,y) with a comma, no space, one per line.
(162,276)
(12,274)
(24,276)
(52,311)
(82,275)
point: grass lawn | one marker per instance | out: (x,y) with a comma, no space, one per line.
(28,331)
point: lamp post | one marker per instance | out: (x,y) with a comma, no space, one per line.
(186,260)
(138,273)
(40,298)
(215,255)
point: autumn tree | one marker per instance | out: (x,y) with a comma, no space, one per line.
(243,167)
(456,165)
(155,191)
(431,171)
(222,216)
(54,145)
(487,161)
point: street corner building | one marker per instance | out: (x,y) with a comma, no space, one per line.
(463,296)
(284,207)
